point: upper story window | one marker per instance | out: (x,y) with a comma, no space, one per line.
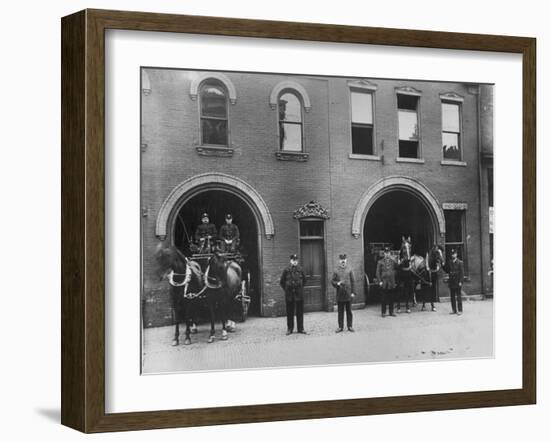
(290,123)
(213,114)
(450,137)
(362,123)
(409,129)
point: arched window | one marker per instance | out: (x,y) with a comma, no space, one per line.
(213,114)
(290,122)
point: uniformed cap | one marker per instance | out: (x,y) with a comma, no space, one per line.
(453,251)
(204,215)
(343,256)
(386,249)
(294,256)
(228,216)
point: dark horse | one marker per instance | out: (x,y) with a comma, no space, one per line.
(436,260)
(186,285)
(223,281)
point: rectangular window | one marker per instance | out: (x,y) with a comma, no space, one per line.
(362,123)
(450,137)
(311,229)
(409,134)
(455,234)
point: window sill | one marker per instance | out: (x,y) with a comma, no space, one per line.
(291,156)
(214,151)
(358,156)
(410,160)
(453,163)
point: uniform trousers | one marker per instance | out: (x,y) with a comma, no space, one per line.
(295,308)
(456,297)
(344,305)
(387,300)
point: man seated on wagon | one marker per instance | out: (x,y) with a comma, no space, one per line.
(205,235)
(229,235)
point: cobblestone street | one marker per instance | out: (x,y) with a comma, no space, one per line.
(261,342)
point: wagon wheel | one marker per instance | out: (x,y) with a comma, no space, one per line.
(244,296)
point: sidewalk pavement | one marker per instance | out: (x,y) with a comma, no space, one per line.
(262,342)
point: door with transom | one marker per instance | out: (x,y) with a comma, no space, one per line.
(312,254)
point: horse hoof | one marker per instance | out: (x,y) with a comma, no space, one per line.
(224,337)
(187,342)
(211,339)
(175,343)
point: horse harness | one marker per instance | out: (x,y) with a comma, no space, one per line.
(185,283)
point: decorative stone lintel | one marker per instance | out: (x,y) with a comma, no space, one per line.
(311,210)
(451,96)
(212,151)
(455,206)
(362,84)
(291,156)
(408,90)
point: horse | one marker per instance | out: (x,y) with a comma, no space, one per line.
(222,279)
(186,285)
(412,271)
(436,260)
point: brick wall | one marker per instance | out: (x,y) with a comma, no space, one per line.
(170,129)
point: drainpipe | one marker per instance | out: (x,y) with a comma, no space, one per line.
(480,177)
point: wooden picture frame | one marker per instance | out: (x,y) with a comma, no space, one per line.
(83,220)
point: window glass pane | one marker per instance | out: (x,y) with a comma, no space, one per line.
(409,102)
(291,136)
(213,102)
(290,108)
(453,225)
(361,108)
(311,228)
(450,117)
(408,125)
(361,140)
(214,131)
(408,149)
(451,148)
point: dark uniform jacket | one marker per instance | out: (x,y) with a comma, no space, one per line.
(455,269)
(205,230)
(385,273)
(292,281)
(344,290)
(229,232)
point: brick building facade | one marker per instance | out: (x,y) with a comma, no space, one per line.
(317,166)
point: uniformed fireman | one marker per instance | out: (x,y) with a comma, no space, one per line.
(292,282)
(385,275)
(455,268)
(205,235)
(229,235)
(343,281)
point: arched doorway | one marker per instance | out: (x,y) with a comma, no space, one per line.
(392,207)
(217,203)
(222,193)
(395,214)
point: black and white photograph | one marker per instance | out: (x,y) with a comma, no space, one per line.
(311,220)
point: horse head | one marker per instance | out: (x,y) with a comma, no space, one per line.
(216,272)
(166,258)
(406,248)
(436,257)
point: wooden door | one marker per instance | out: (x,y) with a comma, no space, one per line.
(313,263)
